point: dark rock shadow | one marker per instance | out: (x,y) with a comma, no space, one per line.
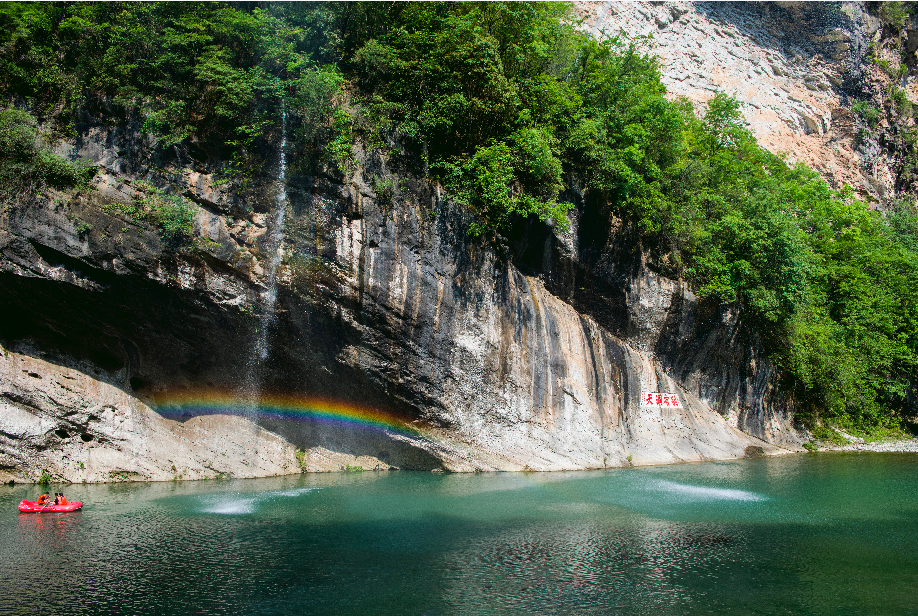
(356,442)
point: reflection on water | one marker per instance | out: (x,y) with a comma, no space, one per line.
(49,525)
(804,534)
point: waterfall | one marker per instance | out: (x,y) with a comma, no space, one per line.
(273,246)
(251,388)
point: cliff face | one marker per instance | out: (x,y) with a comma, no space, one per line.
(797,67)
(77,427)
(529,351)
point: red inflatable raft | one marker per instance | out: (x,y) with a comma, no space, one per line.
(30,507)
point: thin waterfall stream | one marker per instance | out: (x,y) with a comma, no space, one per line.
(252,387)
(273,246)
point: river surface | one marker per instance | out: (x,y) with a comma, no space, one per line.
(804,534)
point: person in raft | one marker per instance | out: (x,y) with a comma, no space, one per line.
(43,499)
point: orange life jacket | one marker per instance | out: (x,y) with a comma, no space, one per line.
(63,500)
(42,499)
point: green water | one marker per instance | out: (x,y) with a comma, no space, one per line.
(811,534)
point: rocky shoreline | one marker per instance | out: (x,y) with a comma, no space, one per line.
(897,446)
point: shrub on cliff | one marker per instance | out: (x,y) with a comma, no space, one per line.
(27,164)
(208,73)
(172,215)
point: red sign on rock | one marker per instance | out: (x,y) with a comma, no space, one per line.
(663,400)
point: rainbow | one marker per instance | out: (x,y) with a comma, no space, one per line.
(181,404)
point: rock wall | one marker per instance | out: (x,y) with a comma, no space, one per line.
(524,352)
(76,427)
(506,366)
(491,349)
(797,67)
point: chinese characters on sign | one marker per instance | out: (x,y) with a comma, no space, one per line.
(652,398)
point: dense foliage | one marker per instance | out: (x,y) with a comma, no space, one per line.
(506,104)
(27,164)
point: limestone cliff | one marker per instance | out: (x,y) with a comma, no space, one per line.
(797,66)
(502,353)
(528,353)
(79,427)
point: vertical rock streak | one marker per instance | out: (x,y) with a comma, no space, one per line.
(523,379)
